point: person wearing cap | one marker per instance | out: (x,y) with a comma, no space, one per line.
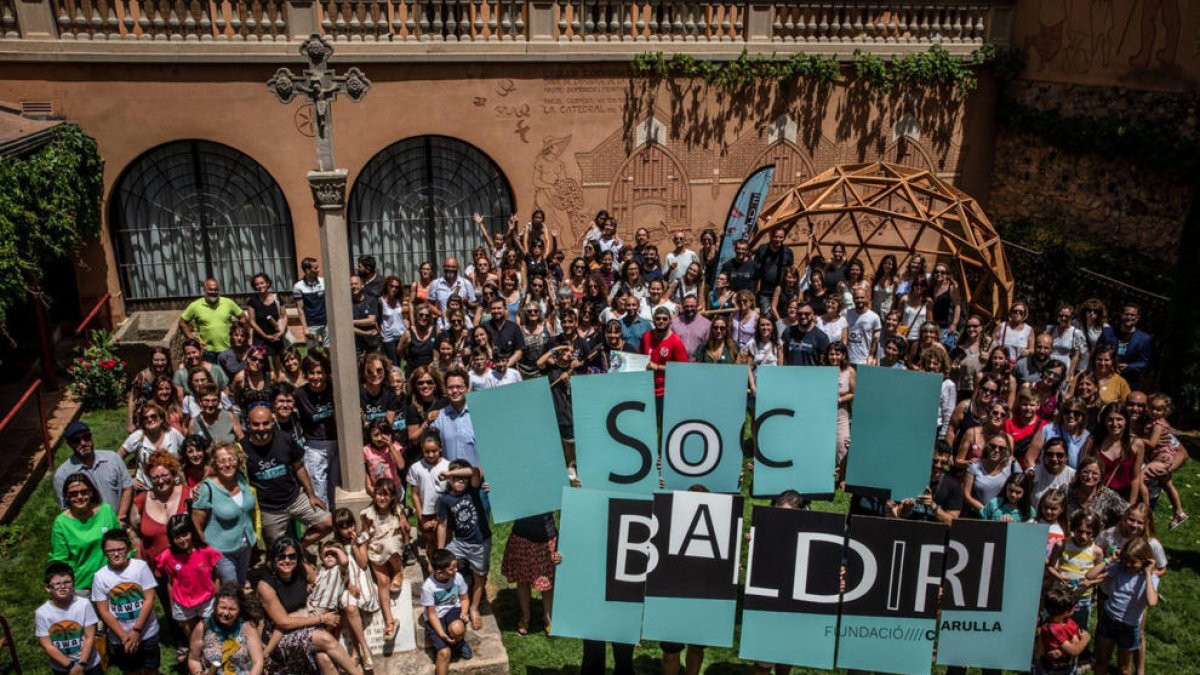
(661,344)
(104,467)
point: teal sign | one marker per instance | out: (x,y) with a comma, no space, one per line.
(795,424)
(892,432)
(525,470)
(703,412)
(616,437)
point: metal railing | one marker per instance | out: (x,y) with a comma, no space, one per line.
(34,391)
(105,303)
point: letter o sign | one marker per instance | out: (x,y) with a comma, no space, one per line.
(712,447)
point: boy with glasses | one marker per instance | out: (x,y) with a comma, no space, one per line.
(65,625)
(124,592)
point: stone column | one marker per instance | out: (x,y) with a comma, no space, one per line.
(301,19)
(541,21)
(329,197)
(758,20)
(36,19)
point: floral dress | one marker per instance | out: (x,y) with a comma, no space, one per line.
(226,649)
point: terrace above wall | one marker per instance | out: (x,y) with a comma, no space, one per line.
(234,31)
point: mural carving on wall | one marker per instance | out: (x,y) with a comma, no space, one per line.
(1129,42)
(554,190)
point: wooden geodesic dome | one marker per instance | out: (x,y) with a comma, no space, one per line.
(879,208)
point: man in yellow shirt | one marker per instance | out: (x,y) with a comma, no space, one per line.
(209,319)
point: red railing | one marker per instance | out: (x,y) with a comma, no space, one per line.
(34,391)
(105,302)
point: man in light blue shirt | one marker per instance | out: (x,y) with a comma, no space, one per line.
(453,422)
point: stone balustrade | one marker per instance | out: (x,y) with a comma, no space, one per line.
(510,30)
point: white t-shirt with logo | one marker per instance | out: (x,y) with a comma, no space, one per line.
(65,628)
(125,592)
(425,479)
(860,329)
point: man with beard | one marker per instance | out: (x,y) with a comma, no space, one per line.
(275,464)
(690,325)
(804,344)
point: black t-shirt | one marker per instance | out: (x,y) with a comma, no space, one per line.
(506,339)
(741,274)
(536,267)
(538,528)
(374,287)
(315,409)
(376,407)
(270,469)
(466,515)
(771,265)
(581,348)
(368,306)
(804,349)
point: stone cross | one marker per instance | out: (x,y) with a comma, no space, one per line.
(321,86)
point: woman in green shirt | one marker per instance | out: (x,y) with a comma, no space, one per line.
(75,537)
(719,347)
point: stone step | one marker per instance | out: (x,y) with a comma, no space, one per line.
(490,657)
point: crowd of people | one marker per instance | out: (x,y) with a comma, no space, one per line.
(220,505)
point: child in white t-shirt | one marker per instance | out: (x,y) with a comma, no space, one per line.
(65,625)
(444,597)
(124,591)
(426,487)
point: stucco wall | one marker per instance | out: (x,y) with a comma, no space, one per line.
(563,134)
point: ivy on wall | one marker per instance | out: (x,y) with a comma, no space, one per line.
(933,67)
(49,203)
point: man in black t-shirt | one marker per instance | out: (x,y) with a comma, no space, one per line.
(365,311)
(507,340)
(275,463)
(804,344)
(741,271)
(771,259)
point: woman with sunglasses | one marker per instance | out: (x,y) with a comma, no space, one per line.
(426,395)
(392,326)
(154,433)
(972,443)
(306,644)
(917,308)
(538,335)
(972,411)
(1089,492)
(966,357)
(417,345)
(376,397)
(719,347)
(985,479)
(255,377)
(1048,390)
(1015,335)
(1070,426)
(457,331)
(997,364)
(223,513)
(76,532)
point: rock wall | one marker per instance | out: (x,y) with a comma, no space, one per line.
(1095,194)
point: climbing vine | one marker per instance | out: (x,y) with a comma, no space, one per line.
(49,203)
(935,66)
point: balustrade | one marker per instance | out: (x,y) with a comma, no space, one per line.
(716,26)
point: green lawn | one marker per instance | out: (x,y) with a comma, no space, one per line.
(1174,626)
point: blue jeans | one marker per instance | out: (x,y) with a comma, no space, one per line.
(233,565)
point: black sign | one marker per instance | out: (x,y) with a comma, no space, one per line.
(974,576)
(699,545)
(893,568)
(795,560)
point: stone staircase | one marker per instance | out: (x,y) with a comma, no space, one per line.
(401,658)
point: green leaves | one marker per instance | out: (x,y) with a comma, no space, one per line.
(49,203)
(936,66)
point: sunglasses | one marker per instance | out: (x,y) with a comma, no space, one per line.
(425,383)
(287,556)
(997,446)
(79,493)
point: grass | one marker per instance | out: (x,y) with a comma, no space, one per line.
(1173,626)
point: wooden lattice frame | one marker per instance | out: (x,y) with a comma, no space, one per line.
(880,208)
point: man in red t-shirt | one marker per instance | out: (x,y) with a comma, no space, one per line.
(663,345)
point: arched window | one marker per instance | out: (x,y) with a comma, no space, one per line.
(189,210)
(414,201)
